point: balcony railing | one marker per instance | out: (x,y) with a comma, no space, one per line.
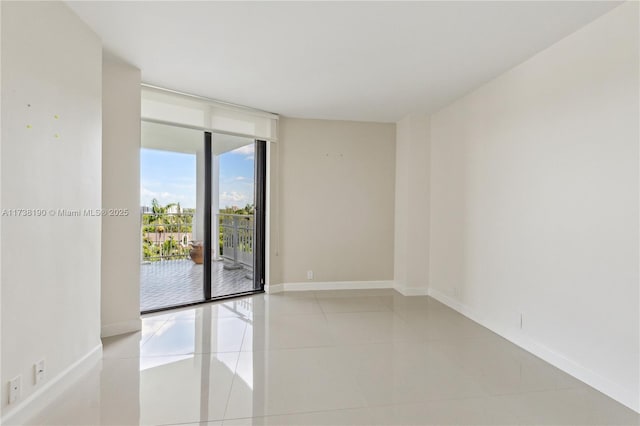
(167,236)
(236,231)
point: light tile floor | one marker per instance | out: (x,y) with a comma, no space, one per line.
(176,282)
(325,358)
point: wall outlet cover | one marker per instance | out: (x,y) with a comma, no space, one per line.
(38,372)
(14,389)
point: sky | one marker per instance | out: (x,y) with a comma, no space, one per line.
(170,177)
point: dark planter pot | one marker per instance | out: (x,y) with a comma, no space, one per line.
(196,252)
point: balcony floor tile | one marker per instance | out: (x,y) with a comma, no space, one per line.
(175,282)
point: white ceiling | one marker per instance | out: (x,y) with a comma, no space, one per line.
(369,61)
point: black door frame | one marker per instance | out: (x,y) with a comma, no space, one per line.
(208,189)
(259,246)
(260,201)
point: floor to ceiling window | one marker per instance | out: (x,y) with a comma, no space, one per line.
(181,214)
(203,177)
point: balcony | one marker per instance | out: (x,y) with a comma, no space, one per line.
(169,277)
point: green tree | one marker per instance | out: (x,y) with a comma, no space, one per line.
(160,221)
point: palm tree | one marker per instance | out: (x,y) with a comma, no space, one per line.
(157,211)
(158,214)
(161,221)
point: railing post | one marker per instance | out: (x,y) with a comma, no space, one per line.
(233,228)
(235,240)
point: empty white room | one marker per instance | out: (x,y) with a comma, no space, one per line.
(320,213)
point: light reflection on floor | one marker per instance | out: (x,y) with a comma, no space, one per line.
(354,357)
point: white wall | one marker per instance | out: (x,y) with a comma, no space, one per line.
(120,190)
(1,138)
(273,263)
(411,256)
(534,204)
(336,200)
(51,66)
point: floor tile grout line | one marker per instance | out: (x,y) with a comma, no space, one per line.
(233,381)
(366,406)
(324,314)
(296,413)
(152,334)
(235,373)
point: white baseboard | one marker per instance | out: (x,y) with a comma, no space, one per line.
(122,327)
(346,285)
(412,291)
(274,288)
(52,388)
(567,365)
(337,285)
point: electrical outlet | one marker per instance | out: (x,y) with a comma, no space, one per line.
(38,372)
(14,389)
(309,275)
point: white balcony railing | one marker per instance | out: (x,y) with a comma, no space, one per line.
(167,236)
(237,240)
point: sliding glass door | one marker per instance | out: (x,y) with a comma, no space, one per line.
(236,215)
(202,216)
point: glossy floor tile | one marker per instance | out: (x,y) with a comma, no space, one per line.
(292,381)
(282,331)
(357,357)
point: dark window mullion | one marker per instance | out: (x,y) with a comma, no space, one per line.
(260,209)
(206,256)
